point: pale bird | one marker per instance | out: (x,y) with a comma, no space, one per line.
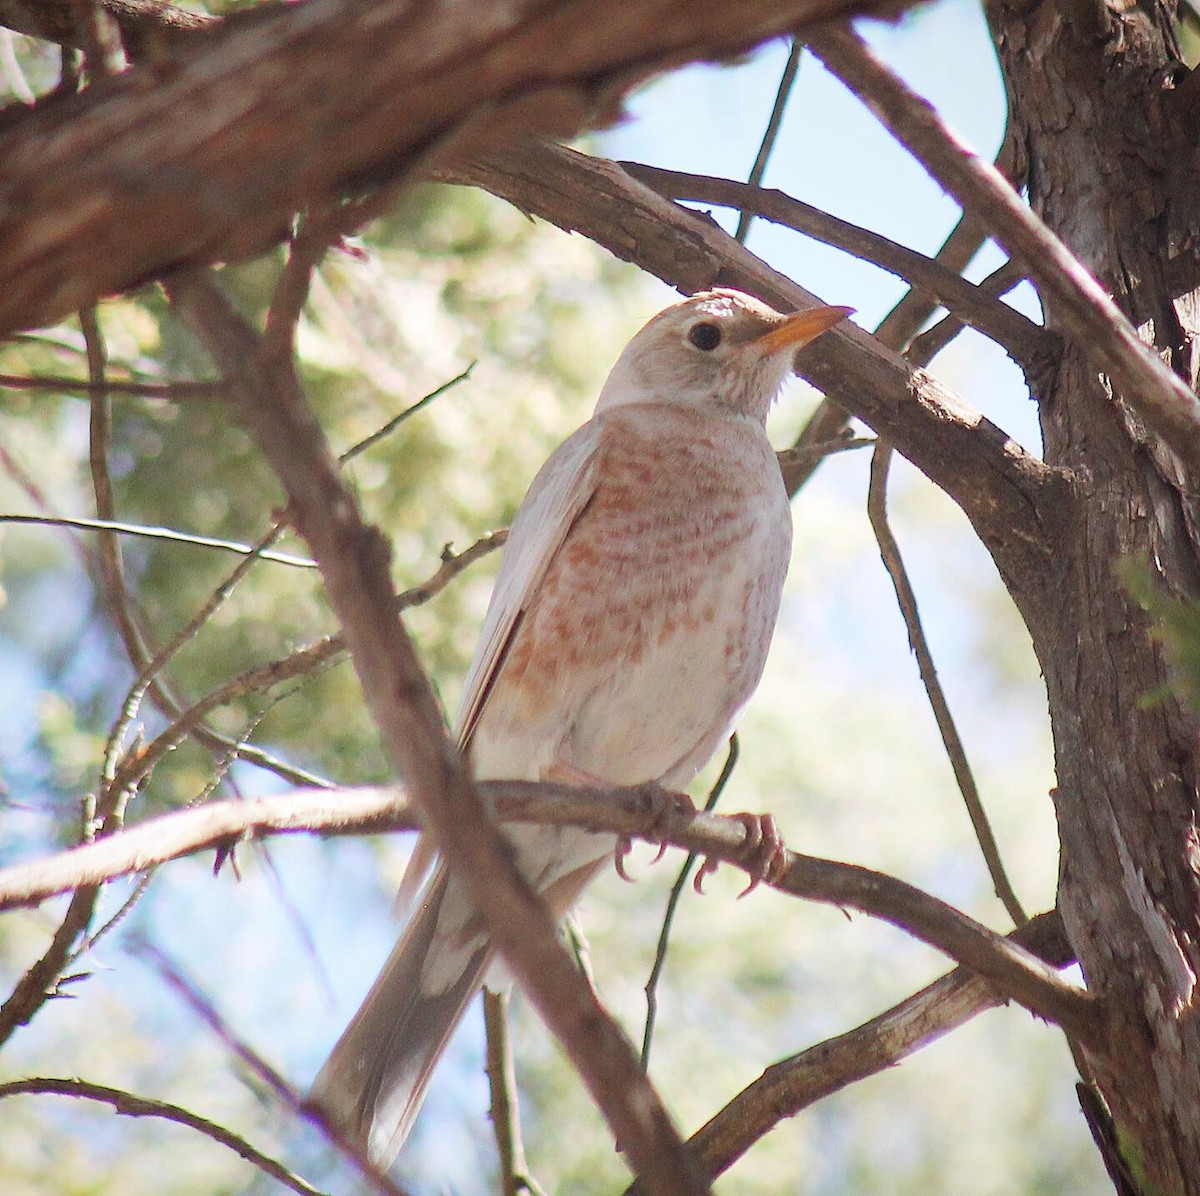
(628,627)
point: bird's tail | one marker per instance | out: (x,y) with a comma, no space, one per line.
(373,1083)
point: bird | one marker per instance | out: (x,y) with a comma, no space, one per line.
(628,627)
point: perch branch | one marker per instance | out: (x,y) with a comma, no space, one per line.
(618,811)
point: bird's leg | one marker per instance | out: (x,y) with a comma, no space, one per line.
(764,854)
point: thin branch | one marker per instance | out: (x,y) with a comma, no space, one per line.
(929,344)
(172,391)
(638,812)
(787,81)
(129,1105)
(1015,333)
(297,664)
(898,328)
(406,414)
(791,1085)
(906,598)
(142,531)
(283,1092)
(1074,299)
(515,1177)
(664,935)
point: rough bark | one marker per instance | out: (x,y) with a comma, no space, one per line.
(204,151)
(1092,103)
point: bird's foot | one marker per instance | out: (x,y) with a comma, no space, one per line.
(764,855)
(660,804)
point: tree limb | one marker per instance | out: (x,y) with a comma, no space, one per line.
(1016,503)
(1014,332)
(794,1084)
(197,155)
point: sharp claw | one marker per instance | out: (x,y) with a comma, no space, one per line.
(624,847)
(662,851)
(764,852)
(706,869)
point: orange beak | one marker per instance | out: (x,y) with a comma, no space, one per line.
(799,329)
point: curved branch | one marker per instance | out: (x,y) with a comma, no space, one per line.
(791,1085)
(129,1105)
(1017,504)
(127,179)
(1014,332)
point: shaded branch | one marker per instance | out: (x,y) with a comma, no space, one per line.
(1015,333)
(386,89)
(129,1105)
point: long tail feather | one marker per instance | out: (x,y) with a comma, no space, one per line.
(374,1081)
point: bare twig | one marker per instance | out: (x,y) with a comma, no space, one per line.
(619,811)
(284,1092)
(1075,300)
(406,414)
(173,391)
(129,1105)
(906,598)
(515,1177)
(787,81)
(145,532)
(664,935)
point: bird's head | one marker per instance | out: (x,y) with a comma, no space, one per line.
(719,350)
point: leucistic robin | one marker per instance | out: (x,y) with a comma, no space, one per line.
(628,627)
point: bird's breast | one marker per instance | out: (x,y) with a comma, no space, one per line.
(687,528)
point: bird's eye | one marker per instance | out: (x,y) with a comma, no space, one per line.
(704,336)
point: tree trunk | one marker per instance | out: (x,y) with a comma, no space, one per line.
(1094,107)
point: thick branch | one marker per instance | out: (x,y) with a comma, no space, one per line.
(198,154)
(791,1085)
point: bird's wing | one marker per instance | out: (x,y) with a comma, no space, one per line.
(557,497)
(555,500)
